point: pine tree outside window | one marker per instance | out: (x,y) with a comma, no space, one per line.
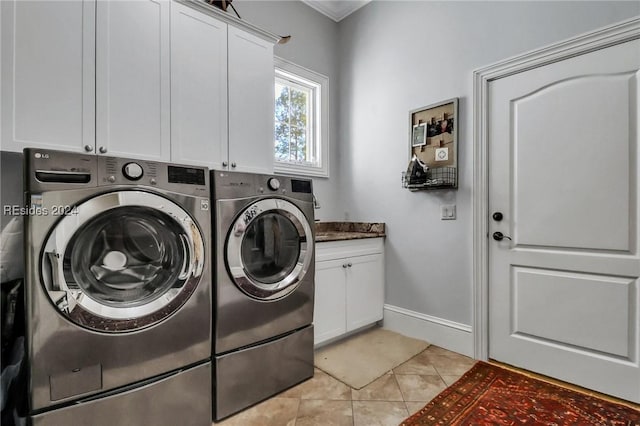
(301,122)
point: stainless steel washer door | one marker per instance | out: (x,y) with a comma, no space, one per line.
(124,261)
(269,249)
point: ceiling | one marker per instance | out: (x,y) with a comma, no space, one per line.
(336,10)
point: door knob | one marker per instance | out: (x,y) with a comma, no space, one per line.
(225,164)
(349,264)
(499,236)
(497,216)
(103,150)
(344,265)
(233,164)
(88,148)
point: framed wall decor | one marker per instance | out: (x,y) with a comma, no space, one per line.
(439,147)
(419,135)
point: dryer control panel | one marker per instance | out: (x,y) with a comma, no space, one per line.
(273,184)
(301,185)
(230,185)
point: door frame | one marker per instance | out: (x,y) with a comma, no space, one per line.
(595,40)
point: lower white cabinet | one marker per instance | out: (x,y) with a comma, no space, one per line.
(330,310)
(349,286)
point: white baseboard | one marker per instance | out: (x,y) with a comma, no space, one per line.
(447,334)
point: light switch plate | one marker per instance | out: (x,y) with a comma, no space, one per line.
(448,212)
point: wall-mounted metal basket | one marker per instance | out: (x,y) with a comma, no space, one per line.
(436,178)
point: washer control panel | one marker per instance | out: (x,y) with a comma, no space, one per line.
(137,172)
(273,184)
(132,171)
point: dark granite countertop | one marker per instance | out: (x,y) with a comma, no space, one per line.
(336,231)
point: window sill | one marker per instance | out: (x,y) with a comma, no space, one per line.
(292,169)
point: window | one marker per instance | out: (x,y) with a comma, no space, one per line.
(301,121)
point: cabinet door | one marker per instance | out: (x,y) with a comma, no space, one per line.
(329,310)
(132,79)
(365,290)
(198,88)
(251,102)
(48,65)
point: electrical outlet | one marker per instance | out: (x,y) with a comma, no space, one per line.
(448,212)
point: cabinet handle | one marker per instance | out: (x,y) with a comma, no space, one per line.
(225,164)
(103,150)
(349,264)
(88,148)
(344,265)
(233,164)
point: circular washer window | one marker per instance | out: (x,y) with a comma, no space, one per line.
(128,266)
(269,249)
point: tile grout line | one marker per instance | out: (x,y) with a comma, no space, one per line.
(353,413)
(406,407)
(395,377)
(295,419)
(440,375)
(400,388)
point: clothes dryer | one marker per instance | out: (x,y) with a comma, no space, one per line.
(118,290)
(264,287)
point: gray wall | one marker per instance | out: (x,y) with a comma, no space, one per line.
(11,189)
(398,56)
(390,57)
(313,46)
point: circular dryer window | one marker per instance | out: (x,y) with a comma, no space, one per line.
(269,249)
(128,260)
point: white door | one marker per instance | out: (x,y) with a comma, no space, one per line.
(48,86)
(563,171)
(132,79)
(251,103)
(198,88)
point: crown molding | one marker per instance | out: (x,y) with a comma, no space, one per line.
(336,10)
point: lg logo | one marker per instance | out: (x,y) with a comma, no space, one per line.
(39,155)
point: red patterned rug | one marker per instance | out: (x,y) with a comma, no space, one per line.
(490,395)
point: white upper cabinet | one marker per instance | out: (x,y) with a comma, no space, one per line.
(133,79)
(150,79)
(251,102)
(198,88)
(48,66)
(222,90)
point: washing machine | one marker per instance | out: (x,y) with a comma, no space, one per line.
(118,291)
(264,287)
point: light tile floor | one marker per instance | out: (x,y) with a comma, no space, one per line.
(325,401)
